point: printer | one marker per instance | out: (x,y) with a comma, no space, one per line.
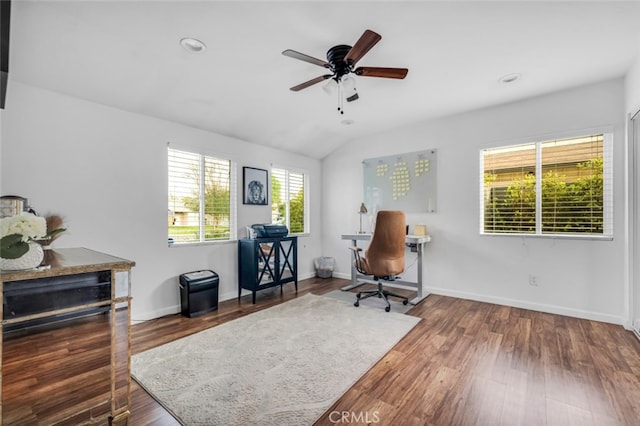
(270,231)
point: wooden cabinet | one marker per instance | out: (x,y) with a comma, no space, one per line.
(267,262)
(87,381)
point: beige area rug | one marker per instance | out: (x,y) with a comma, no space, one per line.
(285,365)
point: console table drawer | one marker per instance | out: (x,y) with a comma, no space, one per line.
(23,298)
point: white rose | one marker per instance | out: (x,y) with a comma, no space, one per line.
(26,224)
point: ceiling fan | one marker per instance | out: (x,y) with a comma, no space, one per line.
(341,61)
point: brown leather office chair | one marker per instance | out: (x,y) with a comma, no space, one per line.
(384,257)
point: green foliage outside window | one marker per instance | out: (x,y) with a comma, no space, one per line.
(216,203)
(296,212)
(278,206)
(567,207)
(294,193)
(196,179)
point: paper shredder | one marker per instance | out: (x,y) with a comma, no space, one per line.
(198,292)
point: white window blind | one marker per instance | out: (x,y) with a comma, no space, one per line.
(288,204)
(555,187)
(201,198)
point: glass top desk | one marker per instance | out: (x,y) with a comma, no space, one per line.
(412,240)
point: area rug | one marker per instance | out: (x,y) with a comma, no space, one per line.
(285,365)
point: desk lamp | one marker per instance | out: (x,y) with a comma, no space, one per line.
(362,211)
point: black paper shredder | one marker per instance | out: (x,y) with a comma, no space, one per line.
(199,292)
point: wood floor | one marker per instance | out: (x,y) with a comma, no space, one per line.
(465,363)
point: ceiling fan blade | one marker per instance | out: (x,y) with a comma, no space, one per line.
(301,56)
(367,40)
(310,82)
(381,72)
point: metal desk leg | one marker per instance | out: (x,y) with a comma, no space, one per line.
(354,272)
(421,291)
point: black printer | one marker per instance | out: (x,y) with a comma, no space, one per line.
(270,231)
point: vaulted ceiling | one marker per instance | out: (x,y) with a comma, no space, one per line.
(127,55)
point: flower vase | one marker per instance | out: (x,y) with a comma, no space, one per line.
(31,259)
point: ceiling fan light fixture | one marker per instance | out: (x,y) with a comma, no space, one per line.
(193,45)
(348,83)
(331,86)
(349,89)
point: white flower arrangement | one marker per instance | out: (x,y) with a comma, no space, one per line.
(17,231)
(28,225)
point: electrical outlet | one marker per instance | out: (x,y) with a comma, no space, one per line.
(533,280)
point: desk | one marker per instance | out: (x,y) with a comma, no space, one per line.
(419,241)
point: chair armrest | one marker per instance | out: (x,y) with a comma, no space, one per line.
(357,261)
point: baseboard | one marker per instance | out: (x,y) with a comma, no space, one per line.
(234,294)
(342,275)
(540,307)
(148,316)
(306,276)
(635,327)
(176,309)
(552,309)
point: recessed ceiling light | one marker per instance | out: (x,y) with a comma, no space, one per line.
(509,78)
(193,45)
(347,122)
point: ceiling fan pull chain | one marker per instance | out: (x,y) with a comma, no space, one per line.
(340,98)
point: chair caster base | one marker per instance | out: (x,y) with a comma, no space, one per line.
(382,294)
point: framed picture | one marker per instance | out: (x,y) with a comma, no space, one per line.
(255,186)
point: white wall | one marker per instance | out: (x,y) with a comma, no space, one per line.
(632,86)
(576,277)
(632,102)
(105,171)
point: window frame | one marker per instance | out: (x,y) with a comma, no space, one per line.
(305,187)
(608,186)
(233,194)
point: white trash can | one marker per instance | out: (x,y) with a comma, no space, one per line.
(324,266)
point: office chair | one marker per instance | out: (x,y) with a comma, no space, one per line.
(384,257)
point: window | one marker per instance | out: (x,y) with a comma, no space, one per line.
(289,200)
(201,198)
(555,187)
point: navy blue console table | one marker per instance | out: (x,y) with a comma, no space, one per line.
(267,262)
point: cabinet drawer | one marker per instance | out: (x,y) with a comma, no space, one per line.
(23,298)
